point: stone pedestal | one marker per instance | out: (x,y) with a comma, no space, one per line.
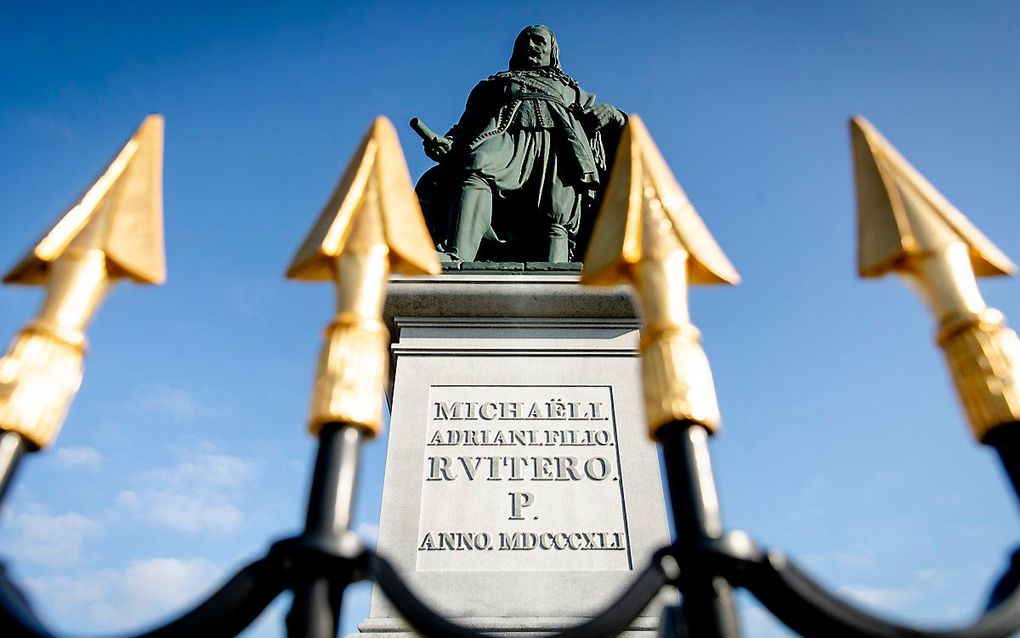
(521,493)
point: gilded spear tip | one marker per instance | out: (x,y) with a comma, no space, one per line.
(371,225)
(907,226)
(640,178)
(375,182)
(902,217)
(649,235)
(120,214)
(114,231)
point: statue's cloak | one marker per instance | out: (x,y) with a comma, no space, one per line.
(519,100)
(520,131)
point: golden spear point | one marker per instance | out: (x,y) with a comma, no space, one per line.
(376,182)
(901,217)
(120,214)
(648,234)
(371,225)
(640,175)
(114,231)
(906,226)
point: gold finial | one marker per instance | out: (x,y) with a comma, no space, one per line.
(372,224)
(122,214)
(648,234)
(906,226)
(901,217)
(115,231)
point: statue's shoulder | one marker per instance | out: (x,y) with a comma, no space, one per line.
(501,76)
(488,89)
(493,84)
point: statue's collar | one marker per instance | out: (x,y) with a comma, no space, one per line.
(523,74)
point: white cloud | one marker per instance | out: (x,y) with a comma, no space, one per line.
(183,512)
(77,457)
(197,494)
(141,592)
(149,586)
(934,578)
(177,403)
(64,594)
(889,599)
(209,467)
(36,536)
(858,559)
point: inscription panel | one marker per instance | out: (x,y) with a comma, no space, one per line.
(522,478)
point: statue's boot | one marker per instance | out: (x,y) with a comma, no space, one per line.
(559,244)
(471,217)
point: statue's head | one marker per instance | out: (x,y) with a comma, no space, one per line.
(534,48)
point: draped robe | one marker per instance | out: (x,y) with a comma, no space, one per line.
(522,163)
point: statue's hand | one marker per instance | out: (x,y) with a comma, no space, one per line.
(601,115)
(438,149)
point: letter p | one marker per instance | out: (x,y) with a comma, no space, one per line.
(518,501)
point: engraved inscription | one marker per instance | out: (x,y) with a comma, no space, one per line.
(522,478)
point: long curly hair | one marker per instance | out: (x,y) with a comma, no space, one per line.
(517,57)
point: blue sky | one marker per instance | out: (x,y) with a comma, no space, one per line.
(185,452)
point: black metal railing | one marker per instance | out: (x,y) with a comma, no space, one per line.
(704,563)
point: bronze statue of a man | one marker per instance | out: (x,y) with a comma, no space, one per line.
(523,165)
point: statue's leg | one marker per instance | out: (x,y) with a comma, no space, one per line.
(559,244)
(566,204)
(471,216)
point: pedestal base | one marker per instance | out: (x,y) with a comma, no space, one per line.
(643,627)
(521,493)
